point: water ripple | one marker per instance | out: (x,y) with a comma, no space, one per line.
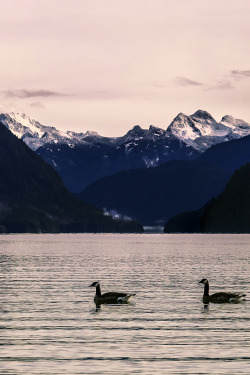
(49,324)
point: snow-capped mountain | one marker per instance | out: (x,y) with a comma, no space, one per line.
(98,157)
(34,134)
(201,130)
(81,158)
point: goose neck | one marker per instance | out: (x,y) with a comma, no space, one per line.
(98,290)
(206,289)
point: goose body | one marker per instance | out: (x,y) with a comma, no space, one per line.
(110,297)
(221,297)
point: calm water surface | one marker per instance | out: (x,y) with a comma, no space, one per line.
(49,324)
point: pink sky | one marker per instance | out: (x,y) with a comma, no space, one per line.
(107,65)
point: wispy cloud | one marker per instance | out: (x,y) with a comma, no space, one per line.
(23,93)
(160,85)
(223,84)
(106,93)
(85,95)
(183,81)
(37,105)
(240,74)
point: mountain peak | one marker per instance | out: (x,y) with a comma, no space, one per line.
(200,114)
(136,128)
(18,114)
(227,118)
(238,126)
(155,130)
(184,128)
(180,116)
(136,131)
(91,134)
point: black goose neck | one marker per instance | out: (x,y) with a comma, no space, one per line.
(98,290)
(206,289)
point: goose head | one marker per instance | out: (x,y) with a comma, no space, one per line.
(95,284)
(203,281)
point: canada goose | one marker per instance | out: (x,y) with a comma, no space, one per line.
(221,297)
(110,297)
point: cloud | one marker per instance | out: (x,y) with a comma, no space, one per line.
(161,86)
(23,94)
(106,93)
(37,105)
(240,74)
(183,81)
(92,94)
(222,84)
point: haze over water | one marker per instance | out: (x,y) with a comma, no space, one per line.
(49,324)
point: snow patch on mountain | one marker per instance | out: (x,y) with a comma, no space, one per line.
(151,162)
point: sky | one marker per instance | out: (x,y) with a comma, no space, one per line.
(107,65)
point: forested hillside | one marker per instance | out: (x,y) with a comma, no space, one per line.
(33,197)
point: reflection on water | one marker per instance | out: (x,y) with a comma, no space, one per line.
(50,325)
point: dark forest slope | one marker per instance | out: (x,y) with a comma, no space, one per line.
(153,195)
(156,194)
(230,212)
(33,197)
(229,155)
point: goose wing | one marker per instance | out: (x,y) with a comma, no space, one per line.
(115,297)
(226,297)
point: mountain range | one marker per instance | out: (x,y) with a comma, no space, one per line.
(34,199)
(149,175)
(82,158)
(154,195)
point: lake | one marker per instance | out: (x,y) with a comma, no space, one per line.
(49,323)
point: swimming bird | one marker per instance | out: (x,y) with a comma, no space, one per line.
(221,297)
(110,297)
